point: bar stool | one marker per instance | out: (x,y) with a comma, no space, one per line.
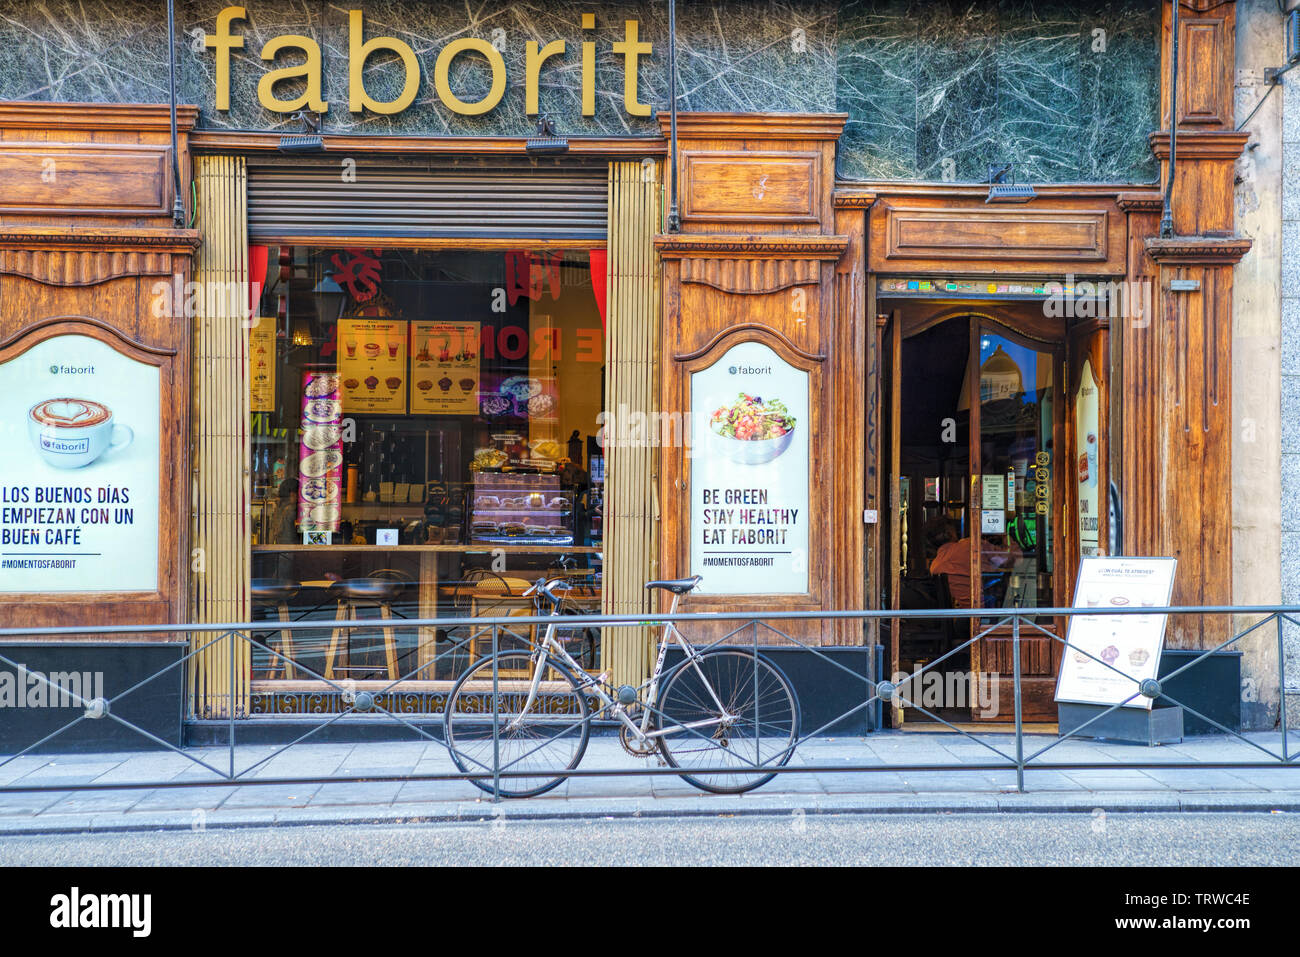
(268,591)
(379,589)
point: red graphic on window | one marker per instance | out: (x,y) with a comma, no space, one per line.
(527,272)
(360,274)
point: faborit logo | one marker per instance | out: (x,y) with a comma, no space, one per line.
(750,370)
(72,370)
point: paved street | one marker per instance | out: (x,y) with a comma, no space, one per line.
(210,804)
(857,839)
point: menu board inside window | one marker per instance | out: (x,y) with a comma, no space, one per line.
(372,365)
(445,368)
(749,474)
(320,464)
(261,364)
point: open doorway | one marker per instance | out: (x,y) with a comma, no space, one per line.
(976,462)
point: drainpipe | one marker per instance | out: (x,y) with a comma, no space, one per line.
(178,207)
(1167,215)
(674,220)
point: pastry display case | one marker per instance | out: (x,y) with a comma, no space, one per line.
(508,508)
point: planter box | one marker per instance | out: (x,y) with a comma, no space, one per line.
(30,710)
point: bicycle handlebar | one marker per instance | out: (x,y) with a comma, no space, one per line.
(548,588)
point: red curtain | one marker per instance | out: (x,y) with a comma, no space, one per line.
(599,258)
(257,259)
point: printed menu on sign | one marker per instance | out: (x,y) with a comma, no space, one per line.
(749,474)
(80,487)
(1110,655)
(444,368)
(261,365)
(320,455)
(372,365)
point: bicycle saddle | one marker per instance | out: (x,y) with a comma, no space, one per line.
(678,586)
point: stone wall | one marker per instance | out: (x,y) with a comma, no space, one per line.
(935,89)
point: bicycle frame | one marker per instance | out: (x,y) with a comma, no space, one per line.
(550,647)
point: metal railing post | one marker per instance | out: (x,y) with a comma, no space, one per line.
(230,705)
(1020,725)
(496,724)
(1281,688)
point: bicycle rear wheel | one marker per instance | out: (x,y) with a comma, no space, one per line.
(756,728)
(551,737)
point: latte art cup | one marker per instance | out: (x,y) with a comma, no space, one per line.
(71,433)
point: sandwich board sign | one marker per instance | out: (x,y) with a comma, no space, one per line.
(1110,655)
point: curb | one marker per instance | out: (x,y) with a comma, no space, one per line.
(484,812)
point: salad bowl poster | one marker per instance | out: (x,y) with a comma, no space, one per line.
(749,474)
(1108,656)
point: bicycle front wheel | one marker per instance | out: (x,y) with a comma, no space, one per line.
(551,736)
(728,709)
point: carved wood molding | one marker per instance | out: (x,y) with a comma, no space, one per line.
(1199,250)
(750,331)
(1203,6)
(86,258)
(94,116)
(774,246)
(1141,202)
(1200,144)
(62,325)
(102,237)
(853,199)
(749,126)
(751,276)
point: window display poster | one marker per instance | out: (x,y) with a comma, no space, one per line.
(261,364)
(749,474)
(372,365)
(1086,415)
(445,368)
(79,488)
(1129,645)
(320,453)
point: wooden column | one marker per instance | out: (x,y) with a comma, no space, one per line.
(221,440)
(1177,414)
(631,388)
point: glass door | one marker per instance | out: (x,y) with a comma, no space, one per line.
(1014,391)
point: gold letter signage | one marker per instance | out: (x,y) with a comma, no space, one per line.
(306,66)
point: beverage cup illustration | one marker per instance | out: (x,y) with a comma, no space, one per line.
(71,433)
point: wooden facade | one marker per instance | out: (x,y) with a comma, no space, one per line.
(86,242)
(770,250)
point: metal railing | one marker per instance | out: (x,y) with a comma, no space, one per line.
(759,633)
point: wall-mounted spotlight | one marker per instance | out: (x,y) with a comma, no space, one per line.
(1002,191)
(309,140)
(546,142)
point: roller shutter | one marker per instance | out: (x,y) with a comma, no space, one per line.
(528,199)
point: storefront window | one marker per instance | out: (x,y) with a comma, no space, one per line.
(424,446)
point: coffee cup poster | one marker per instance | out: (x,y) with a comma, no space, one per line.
(79,484)
(1109,656)
(749,474)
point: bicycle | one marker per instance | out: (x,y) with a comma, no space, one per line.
(719,709)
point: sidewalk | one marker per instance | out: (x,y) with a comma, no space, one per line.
(205,804)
